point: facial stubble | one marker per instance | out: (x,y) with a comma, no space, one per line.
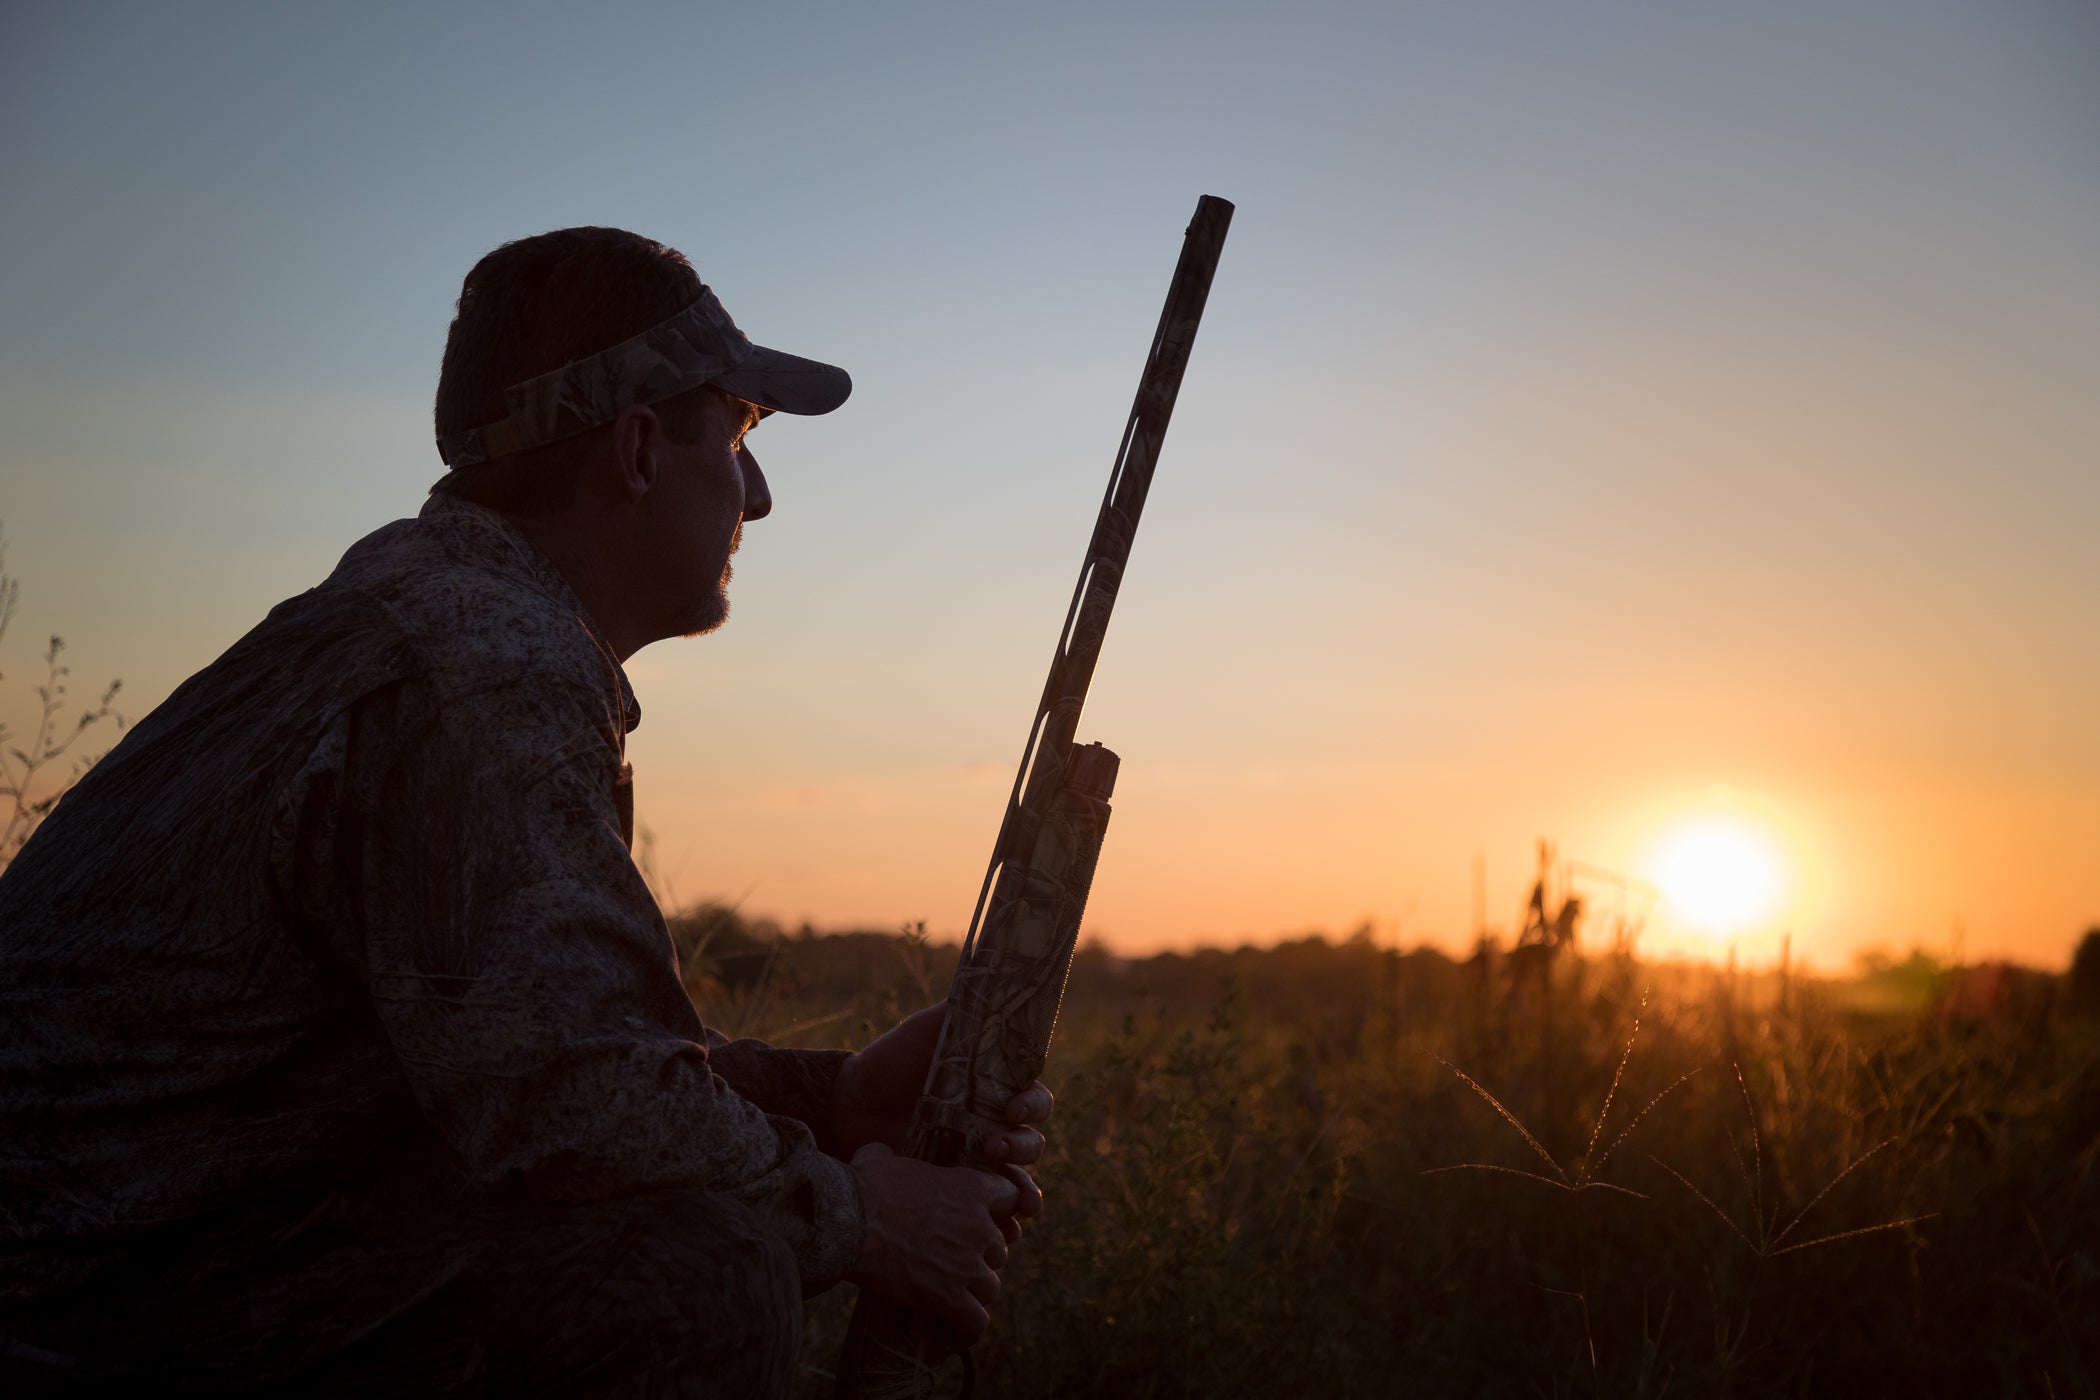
(712,613)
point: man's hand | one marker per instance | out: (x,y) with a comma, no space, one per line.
(934,1235)
(873,1097)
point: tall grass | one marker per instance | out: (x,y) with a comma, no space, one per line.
(1336,1169)
(30,782)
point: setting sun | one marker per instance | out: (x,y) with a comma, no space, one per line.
(1721,875)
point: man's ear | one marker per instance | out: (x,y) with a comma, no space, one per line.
(638,441)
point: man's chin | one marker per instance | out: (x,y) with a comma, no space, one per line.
(707,617)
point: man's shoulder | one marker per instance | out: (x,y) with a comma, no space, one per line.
(471,602)
(446,606)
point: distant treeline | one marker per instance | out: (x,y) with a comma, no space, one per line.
(723,952)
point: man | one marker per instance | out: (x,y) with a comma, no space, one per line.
(344,1048)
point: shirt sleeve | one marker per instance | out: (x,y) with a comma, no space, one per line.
(793,1083)
(475,875)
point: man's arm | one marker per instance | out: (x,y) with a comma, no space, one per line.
(472,872)
(794,1084)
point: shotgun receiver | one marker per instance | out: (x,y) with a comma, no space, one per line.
(1002,1005)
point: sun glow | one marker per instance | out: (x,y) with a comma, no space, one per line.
(1721,875)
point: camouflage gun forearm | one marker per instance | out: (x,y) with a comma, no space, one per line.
(1003,1003)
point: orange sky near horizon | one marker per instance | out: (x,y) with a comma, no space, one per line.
(1603,423)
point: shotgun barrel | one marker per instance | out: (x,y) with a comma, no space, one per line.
(1003,1003)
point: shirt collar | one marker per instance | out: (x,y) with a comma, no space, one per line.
(484,536)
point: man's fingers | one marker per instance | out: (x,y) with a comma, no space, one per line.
(1032,1105)
(984,1287)
(1022,1146)
(1028,1197)
(938,1236)
(1002,1195)
(1028,1202)
(1025,1109)
(969,1319)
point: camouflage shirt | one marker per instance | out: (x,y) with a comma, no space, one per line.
(354,910)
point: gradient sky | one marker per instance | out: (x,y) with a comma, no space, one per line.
(1605,417)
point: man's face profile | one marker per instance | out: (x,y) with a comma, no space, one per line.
(708,488)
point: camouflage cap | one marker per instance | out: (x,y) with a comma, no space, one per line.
(700,345)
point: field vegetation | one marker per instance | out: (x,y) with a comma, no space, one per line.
(1551,1169)
(32,772)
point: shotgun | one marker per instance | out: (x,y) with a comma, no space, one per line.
(1002,1005)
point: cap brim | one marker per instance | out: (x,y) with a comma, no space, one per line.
(787,383)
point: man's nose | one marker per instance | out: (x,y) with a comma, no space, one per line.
(758,497)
